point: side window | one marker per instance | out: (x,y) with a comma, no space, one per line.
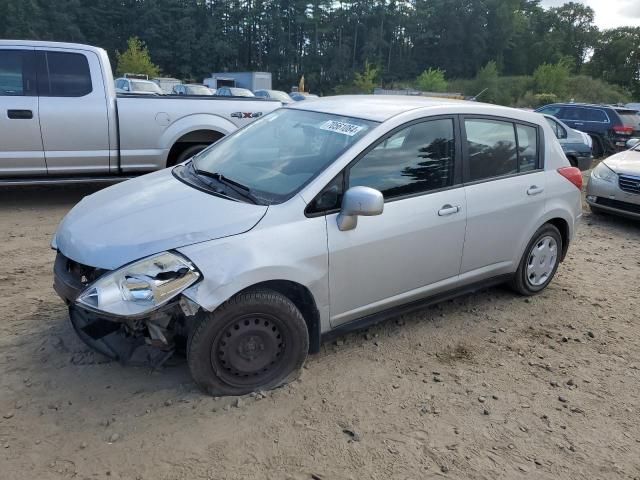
(558,129)
(492,148)
(417,159)
(552,110)
(572,113)
(527,148)
(594,115)
(329,198)
(62,74)
(16,73)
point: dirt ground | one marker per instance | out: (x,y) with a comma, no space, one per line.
(488,386)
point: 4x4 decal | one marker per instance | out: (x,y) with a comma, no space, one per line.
(246,114)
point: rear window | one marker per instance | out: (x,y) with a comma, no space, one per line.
(62,74)
(630,118)
(498,148)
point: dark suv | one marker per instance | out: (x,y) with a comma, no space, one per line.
(610,127)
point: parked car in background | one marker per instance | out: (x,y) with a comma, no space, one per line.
(192,89)
(140,87)
(576,145)
(316,219)
(633,106)
(70,126)
(166,84)
(300,96)
(274,95)
(234,92)
(609,127)
(614,185)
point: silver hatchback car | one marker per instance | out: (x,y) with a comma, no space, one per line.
(319,218)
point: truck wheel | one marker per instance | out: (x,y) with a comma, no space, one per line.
(539,262)
(189,152)
(258,340)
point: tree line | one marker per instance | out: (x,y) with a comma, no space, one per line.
(332,42)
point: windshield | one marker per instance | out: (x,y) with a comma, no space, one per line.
(198,90)
(145,87)
(283,97)
(241,92)
(278,154)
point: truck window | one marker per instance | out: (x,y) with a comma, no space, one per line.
(62,74)
(16,73)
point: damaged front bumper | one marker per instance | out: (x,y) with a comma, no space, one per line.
(146,341)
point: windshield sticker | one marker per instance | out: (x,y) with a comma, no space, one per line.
(341,127)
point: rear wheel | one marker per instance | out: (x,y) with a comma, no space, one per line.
(258,340)
(539,262)
(598,149)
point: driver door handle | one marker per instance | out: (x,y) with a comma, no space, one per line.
(447,210)
(534,190)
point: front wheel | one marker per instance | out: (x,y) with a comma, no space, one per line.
(539,262)
(258,340)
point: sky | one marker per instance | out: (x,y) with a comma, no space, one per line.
(609,13)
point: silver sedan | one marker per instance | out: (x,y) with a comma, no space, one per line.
(614,186)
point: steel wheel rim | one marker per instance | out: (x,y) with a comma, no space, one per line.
(542,260)
(249,350)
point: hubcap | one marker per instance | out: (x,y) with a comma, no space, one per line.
(542,260)
(249,350)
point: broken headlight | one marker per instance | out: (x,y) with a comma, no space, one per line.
(140,287)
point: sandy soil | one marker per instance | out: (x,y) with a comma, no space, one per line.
(488,386)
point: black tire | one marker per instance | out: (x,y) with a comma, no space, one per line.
(189,152)
(258,340)
(598,149)
(521,281)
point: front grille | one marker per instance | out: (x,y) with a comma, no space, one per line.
(629,184)
(627,207)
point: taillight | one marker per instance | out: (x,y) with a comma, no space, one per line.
(573,174)
(623,130)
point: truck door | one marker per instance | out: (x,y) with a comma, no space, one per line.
(20,140)
(73,112)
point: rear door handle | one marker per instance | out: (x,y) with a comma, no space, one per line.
(20,114)
(448,210)
(535,190)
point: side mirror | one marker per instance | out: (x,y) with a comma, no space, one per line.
(633,142)
(359,201)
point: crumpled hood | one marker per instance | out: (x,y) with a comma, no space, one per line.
(147,215)
(626,163)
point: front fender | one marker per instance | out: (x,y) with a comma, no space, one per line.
(294,251)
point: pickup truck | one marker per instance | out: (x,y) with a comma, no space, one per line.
(62,121)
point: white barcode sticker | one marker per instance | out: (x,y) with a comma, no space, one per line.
(341,127)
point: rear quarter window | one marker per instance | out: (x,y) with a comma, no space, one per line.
(63,74)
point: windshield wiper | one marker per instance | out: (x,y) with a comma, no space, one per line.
(237,187)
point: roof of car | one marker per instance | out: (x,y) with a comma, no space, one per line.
(380,108)
(573,104)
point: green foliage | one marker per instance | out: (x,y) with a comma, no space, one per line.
(332,41)
(552,78)
(616,58)
(136,59)
(365,82)
(432,80)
